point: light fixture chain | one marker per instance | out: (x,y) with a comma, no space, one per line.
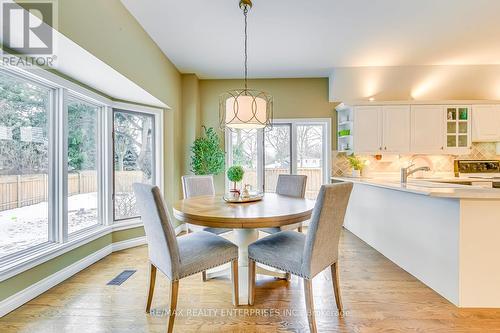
(245,12)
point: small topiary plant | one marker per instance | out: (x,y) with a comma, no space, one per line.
(207,155)
(235,174)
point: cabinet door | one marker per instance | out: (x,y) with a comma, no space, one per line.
(396,129)
(486,123)
(458,129)
(368,129)
(427,129)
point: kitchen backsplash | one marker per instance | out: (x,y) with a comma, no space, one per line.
(393,163)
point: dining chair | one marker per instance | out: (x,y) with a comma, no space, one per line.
(307,255)
(193,186)
(291,186)
(180,257)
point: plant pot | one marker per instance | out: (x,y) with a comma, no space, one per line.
(356,173)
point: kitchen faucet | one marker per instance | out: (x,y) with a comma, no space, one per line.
(406,172)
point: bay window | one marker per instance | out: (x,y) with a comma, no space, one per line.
(134,158)
(83,164)
(60,169)
(25,194)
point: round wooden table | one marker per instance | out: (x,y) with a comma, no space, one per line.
(245,218)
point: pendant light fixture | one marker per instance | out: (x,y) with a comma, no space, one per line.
(245,108)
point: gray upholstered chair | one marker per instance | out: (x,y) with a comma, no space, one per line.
(292,186)
(179,257)
(194,186)
(307,255)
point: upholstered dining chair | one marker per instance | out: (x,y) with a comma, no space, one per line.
(292,186)
(180,257)
(307,255)
(193,186)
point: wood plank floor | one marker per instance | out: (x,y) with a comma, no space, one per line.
(378,297)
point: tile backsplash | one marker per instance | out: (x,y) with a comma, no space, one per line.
(392,163)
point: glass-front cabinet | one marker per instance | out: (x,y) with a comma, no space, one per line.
(458,129)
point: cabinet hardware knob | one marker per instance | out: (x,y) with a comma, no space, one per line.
(442,148)
(385,148)
(380,148)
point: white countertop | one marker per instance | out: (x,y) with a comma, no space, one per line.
(430,188)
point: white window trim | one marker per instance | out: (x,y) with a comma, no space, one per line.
(326,122)
(59,242)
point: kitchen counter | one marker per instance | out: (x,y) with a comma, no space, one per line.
(446,235)
(433,188)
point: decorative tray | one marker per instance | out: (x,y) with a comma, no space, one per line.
(255,196)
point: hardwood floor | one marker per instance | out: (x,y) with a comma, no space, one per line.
(377,297)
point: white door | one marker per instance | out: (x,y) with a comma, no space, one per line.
(396,129)
(427,129)
(368,129)
(485,123)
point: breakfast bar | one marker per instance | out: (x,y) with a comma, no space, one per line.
(446,235)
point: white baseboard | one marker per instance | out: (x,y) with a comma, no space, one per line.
(127,244)
(25,295)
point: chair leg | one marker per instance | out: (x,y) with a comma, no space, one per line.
(152,279)
(174,292)
(234,277)
(299,229)
(251,281)
(336,286)
(308,292)
(204,276)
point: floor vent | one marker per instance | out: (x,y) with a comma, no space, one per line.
(122,277)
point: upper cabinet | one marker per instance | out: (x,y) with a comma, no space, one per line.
(368,129)
(486,123)
(396,129)
(418,129)
(427,129)
(380,129)
(458,129)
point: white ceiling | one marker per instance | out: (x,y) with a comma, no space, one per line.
(309,38)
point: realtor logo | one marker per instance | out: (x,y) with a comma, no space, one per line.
(27,27)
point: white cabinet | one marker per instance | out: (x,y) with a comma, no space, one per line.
(427,129)
(367,129)
(380,129)
(396,129)
(486,123)
(458,129)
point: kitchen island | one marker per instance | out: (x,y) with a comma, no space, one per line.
(446,235)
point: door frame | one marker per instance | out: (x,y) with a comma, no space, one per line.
(294,122)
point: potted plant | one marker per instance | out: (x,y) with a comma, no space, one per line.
(235,174)
(357,165)
(207,155)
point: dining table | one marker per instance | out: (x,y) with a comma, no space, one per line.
(273,210)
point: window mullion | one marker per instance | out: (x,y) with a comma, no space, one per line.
(260,160)
(107,167)
(62,161)
(293,152)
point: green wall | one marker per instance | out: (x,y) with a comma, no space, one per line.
(293,98)
(106,29)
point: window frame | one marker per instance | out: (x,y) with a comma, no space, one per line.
(154,116)
(326,123)
(59,241)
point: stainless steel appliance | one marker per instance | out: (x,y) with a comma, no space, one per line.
(484,171)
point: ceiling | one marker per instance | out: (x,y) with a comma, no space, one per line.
(309,38)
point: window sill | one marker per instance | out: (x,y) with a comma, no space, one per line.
(51,251)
